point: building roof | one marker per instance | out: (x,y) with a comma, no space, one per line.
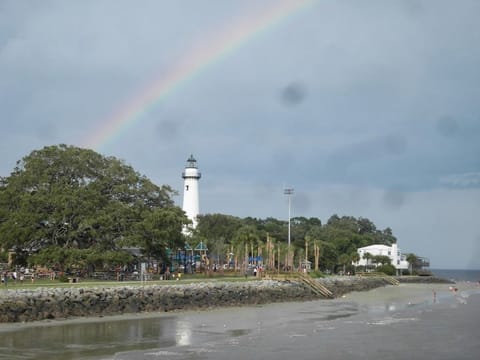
(201,247)
(375,246)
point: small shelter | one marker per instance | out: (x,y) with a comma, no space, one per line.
(202,249)
(305,265)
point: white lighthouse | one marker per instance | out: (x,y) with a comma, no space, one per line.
(191,175)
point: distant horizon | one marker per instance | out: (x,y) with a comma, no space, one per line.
(433,269)
(469,275)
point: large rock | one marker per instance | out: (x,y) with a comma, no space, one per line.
(59,303)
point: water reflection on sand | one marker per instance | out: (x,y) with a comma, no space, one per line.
(340,328)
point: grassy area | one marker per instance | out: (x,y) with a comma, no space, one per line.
(185,279)
(85,283)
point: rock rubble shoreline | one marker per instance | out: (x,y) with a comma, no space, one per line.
(24,305)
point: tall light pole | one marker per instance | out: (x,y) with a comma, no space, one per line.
(289,193)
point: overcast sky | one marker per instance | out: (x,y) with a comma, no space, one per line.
(366,108)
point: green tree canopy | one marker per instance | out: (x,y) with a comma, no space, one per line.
(69,197)
(331,244)
(218,227)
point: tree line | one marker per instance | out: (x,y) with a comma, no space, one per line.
(326,246)
(64,206)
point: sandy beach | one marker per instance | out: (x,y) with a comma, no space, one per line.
(392,322)
(414,293)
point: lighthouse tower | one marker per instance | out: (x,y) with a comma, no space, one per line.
(191,175)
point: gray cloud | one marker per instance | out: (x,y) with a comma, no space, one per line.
(447,126)
(394,198)
(465,180)
(380,97)
(293,93)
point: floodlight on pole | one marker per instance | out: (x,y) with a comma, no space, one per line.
(289,193)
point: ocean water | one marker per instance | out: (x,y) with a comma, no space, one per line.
(410,321)
(458,275)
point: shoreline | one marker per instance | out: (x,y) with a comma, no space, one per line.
(32,305)
(359,325)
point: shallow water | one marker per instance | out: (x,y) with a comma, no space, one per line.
(401,322)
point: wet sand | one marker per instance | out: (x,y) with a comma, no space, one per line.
(414,293)
(394,322)
(403,322)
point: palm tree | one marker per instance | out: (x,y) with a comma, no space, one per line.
(270,253)
(282,249)
(355,257)
(412,262)
(344,259)
(245,238)
(367,256)
(312,240)
(316,254)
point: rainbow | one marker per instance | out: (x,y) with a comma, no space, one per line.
(191,64)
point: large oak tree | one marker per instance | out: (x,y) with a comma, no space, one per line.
(74,198)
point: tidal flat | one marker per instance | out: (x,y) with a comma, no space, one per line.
(391,322)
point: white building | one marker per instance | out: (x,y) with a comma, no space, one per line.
(398,260)
(191,175)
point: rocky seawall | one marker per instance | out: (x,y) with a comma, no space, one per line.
(62,303)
